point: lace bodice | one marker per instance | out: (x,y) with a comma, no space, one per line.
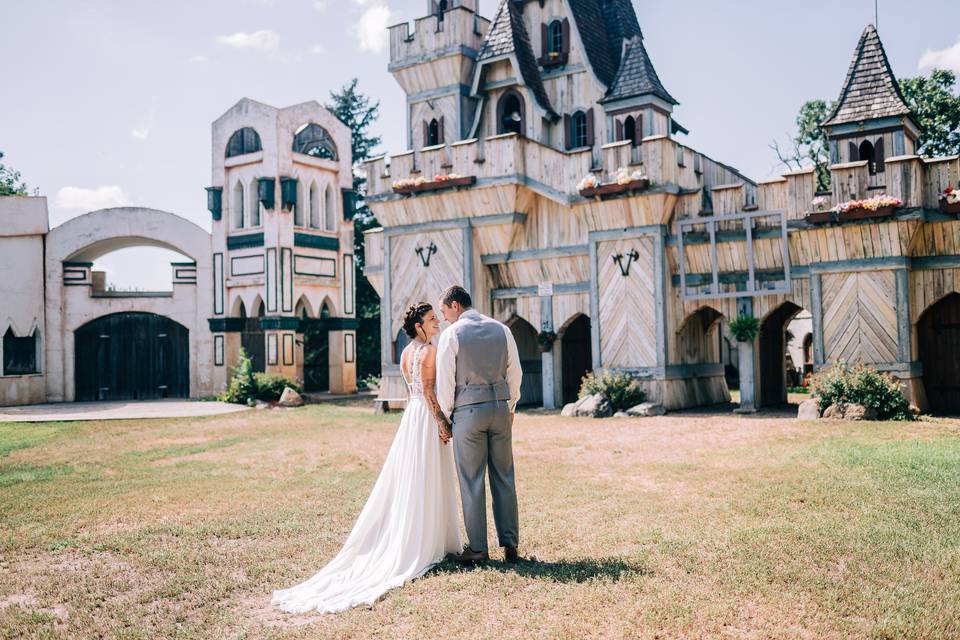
(415,383)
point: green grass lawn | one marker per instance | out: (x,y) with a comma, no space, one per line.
(689,525)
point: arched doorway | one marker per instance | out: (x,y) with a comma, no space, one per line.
(775,370)
(938,338)
(510,113)
(576,356)
(251,335)
(131,356)
(531,390)
(316,352)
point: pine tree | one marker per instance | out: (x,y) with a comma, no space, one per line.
(358,112)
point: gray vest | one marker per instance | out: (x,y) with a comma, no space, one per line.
(481,361)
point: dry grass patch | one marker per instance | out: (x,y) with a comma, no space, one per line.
(689,525)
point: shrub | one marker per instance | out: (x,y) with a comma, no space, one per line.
(745,328)
(242,387)
(619,388)
(270,386)
(864,385)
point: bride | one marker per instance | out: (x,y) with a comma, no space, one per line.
(410,521)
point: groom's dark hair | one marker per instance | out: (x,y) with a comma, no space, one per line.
(456,293)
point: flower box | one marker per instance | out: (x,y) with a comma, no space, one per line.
(435,185)
(820,217)
(950,209)
(861,213)
(615,188)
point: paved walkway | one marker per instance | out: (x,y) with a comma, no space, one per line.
(71,411)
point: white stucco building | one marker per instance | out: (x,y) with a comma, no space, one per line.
(275,275)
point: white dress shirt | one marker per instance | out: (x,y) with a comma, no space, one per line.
(447,366)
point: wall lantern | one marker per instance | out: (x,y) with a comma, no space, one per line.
(215,202)
(288,193)
(266,192)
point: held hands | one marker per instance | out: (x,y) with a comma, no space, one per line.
(446,435)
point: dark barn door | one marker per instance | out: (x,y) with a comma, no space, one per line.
(938,333)
(316,356)
(254,342)
(531,388)
(132,356)
(576,353)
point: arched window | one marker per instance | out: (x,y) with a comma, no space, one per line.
(433,133)
(237,206)
(578,130)
(313,140)
(298,207)
(329,210)
(555,37)
(315,220)
(866,153)
(510,113)
(245,140)
(630,130)
(253,201)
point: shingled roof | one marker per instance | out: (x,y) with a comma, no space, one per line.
(507,35)
(870,89)
(636,76)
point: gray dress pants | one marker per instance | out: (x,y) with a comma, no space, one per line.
(482,439)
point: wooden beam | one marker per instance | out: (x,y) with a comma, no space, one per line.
(535,254)
(816,301)
(532,292)
(904,330)
(594,307)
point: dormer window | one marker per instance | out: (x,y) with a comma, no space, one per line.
(578,127)
(432,136)
(630,130)
(555,37)
(243,141)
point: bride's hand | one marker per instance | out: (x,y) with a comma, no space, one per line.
(445,434)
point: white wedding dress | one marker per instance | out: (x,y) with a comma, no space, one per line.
(409,524)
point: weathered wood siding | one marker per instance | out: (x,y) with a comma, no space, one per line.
(410,281)
(860,317)
(627,305)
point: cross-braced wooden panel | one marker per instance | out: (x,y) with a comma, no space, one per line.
(860,317)
(411,281)
(627,303)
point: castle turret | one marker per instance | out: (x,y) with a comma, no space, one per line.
(871,120)
(434,65)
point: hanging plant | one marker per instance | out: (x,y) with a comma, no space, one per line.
(745,328)
(546,340)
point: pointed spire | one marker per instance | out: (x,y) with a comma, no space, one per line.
(870,90)
(636,75)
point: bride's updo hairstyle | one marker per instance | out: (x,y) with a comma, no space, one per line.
(413,317)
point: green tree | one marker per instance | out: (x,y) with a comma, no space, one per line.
(809,146)
(359,112)
(10,182)
(937,110)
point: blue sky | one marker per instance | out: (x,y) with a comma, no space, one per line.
(109,102)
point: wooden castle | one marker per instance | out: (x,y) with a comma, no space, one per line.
(544,174)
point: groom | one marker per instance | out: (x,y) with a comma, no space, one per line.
(478,387)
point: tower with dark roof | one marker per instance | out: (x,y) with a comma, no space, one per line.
(870,121)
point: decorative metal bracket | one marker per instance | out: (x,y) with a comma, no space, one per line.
(625,269)
(426,253)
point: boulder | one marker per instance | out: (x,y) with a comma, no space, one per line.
(260,405)
(621,414)
(859,412)
(834,412)
(647,410)
(595,406)
(570,410)
(290,398)
(809,410)
(915,411)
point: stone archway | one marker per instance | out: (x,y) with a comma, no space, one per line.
(71,303)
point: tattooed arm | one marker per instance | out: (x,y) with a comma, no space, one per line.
(428,376)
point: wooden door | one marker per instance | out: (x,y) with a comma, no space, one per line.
(254,343)
(131,356)
(576,354)
(938,333)
(316,356)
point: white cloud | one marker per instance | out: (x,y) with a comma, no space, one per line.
(371,29)
(321,5)
(145,126)
(948,58)
(265,40)
(200,59)
(318,49)
(91,199)
(140,133)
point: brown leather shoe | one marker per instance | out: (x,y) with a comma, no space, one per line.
(469,556)
(511,554)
